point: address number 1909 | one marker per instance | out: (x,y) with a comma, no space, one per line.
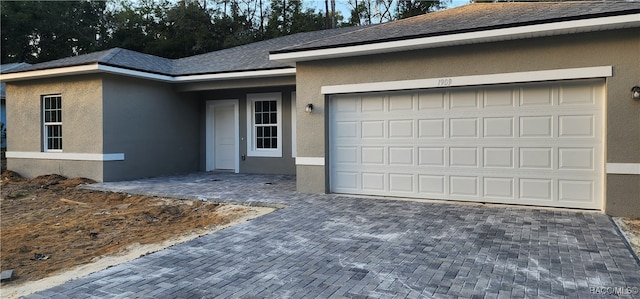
(445,82)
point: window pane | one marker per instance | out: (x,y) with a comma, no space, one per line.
(258,118)
(274,118)
(267,143)
(259,143)
(267,132)
(273,106)
(259,132)
(274,132)
(274,142)
(265,106)
(59,116)
(258,106)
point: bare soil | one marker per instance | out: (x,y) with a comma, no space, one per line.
(49,226)
(631,229)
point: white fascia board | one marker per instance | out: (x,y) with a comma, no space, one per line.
(66,156)
(37,74)
(516,77)
(133,73)
(97,68)
(529,31)
(237,75)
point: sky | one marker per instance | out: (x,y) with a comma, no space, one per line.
(344,7)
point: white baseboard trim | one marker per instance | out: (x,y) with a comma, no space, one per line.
(66,156)
(312,161)
(623,168)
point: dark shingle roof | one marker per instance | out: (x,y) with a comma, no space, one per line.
(255,56)
(112,57)
(473,17)
(249,57)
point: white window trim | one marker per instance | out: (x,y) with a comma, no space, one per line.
(294,111)
(45,142)
(251,150)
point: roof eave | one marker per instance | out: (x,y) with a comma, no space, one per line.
(493,35)
(100,68)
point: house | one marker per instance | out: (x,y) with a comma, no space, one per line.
(3,111)
(517,103)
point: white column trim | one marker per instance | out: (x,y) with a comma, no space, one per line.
(311,161)
(623,168)
(66,156)
(516,77)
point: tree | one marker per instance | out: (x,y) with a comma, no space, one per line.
(289,17)
(36,31)
(410,8)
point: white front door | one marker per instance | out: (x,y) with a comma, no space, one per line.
(222,135)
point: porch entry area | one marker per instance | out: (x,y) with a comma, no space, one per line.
(222,138)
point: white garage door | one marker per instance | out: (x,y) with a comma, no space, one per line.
(531,144)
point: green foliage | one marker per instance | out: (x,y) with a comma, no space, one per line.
(38,31)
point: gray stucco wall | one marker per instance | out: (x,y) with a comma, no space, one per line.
(155,127)
(81,124)
(618,48)
(268,165)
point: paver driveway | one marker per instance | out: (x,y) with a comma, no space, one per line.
(330,246)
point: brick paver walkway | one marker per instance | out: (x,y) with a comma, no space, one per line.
(331,246)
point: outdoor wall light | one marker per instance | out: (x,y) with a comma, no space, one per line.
(635,92)
(308,108)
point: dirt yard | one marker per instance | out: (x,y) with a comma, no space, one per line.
(49,226)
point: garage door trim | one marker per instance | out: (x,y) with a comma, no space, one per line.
(459,81)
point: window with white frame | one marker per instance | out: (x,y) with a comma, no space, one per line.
(52,123)
(264,128)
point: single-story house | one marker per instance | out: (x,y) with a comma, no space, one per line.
(517,103)
(3,102)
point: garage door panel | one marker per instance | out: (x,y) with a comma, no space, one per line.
(463,157)
(401,102)
(400,182)
(533,144)
(575,158)
(536,96)
(431,101)
(498,187)
(346,129)
(373,182)
(463,185)
(498,127)
(431,128)
(373,155)
(498,157)
(536,126)
(577,93)
(536,189)
(575,191)
(536,157)
(401,128)
(499,98)
(463,128)
(372,104)
(431,156)
(576,126)
(463,99)
(372,129)
(432,185)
